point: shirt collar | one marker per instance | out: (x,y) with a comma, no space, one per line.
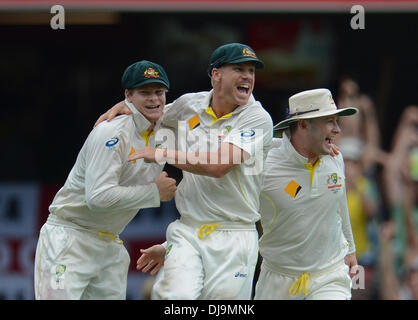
(140,121)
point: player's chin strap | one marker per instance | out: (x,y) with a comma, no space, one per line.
(302,283)
(206,229)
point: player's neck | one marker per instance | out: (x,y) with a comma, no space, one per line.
(303,148)
(151,127)
(221,107)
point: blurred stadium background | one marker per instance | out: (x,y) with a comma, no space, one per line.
(55,84)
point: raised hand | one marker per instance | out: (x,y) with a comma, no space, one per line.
(334,150)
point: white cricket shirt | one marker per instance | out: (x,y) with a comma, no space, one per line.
(306,224)
(235,196)
(103,191)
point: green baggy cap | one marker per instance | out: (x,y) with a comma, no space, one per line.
(144,72)
(233,53)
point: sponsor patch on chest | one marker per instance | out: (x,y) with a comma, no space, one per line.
(292,188)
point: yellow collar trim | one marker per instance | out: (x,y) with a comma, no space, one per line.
(210,111)
(312,168)
(146,135)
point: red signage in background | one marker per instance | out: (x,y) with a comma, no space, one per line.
(23,211)
(299,54)
(19,212)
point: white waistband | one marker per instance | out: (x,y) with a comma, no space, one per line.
(295,273)
(223,225)
(58,221)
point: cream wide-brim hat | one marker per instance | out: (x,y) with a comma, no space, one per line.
(312,104)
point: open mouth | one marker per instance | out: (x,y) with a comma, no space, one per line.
(328,141)
(152,107)
(243,88)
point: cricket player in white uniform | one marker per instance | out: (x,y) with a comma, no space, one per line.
(79,253)
(307,236)
(307,233)
(212,249)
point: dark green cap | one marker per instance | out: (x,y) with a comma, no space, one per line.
(144,72)
(233,53)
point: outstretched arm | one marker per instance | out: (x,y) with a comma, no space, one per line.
(212,164)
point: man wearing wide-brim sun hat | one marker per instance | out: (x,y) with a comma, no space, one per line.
(307,244)
(312,104)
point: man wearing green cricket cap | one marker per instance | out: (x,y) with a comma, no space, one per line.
(307,244)
(233,53)
(79,253)
(212,249)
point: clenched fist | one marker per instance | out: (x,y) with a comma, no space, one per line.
(166,186)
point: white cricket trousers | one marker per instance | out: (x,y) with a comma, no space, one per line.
(220,265)
(73,264)
(332,283)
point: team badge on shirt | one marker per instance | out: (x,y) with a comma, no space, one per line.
(292,188)
(168,250)
(334,182)
(224,133)
(58,278)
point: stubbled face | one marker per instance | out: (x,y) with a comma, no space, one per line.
(322,133)
(149,100)
(235,82)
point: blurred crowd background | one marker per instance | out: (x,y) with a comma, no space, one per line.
(54,84)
